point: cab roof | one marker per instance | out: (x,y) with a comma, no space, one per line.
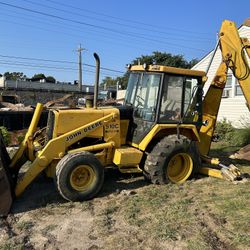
(167,69)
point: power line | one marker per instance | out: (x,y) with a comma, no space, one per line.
(60,61)
(123,19)
(58,31)
(160,37)
(115,44)
(67,34)
(96,26)
(51,68)
(116,23)
(43,66)
(60,18)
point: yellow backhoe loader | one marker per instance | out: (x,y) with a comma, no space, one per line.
(164,129)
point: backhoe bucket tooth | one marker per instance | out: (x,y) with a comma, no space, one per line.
(6,182)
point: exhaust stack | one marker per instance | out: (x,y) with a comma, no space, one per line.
(97,74)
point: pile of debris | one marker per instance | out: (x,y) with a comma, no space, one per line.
(242,154)
(7,106)
(64,102)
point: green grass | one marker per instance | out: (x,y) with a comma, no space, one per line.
(24,225)
(45,231)
(204,214)
(12,246)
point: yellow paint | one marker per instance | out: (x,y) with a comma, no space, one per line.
(54,148)
(232,57)
(211,172)
(82,178)
(51,169)
(112,127)
(93,148)
(167,69)
(179,168)
(127,156)
(68,120)
(30,132)
(189,130)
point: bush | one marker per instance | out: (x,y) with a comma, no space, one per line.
(240,137)
(6,135)
(223,129)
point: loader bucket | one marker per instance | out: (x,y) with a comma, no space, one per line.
(6,182)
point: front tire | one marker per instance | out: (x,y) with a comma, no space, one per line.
(79,176)
(173,160)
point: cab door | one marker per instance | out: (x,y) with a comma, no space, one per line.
(144,98)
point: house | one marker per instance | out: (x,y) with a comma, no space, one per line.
(233,104)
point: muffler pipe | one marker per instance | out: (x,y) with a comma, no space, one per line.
(97,74)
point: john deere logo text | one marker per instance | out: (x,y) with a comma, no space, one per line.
(85,130)
(70,137)
(93,126)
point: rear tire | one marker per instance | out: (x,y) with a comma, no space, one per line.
(173,160)
(79,176)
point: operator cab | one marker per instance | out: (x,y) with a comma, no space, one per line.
(163,95)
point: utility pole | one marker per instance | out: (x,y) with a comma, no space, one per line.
(79,50)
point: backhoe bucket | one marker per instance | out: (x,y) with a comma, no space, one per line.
(6,182)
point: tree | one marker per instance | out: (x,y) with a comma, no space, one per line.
(193,62)
(41,76)
(38,77)
(14,76)
(123,81)
(50,79)
(108,82)
(167,59)
(156,57)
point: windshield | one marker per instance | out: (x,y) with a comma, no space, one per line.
(131,88)
(142,93)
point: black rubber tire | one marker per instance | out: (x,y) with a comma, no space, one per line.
(194,151)
(157,160)
(63,172)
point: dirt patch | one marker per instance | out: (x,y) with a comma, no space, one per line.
(129,213)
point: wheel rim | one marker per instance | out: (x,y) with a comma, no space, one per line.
(179,168)
(82,177)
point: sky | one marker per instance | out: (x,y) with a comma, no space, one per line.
(43,36)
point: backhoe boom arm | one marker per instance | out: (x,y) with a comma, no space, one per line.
(234,50)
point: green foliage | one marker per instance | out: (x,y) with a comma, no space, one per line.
(108,82)
(6,135)
(38,76)
(240,137)
(41,76)
(50,79)
(20,138)
(223,129)
(163,58)
(14,76)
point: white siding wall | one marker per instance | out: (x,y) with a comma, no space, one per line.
(234,110)
(234,107)
(2,82)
